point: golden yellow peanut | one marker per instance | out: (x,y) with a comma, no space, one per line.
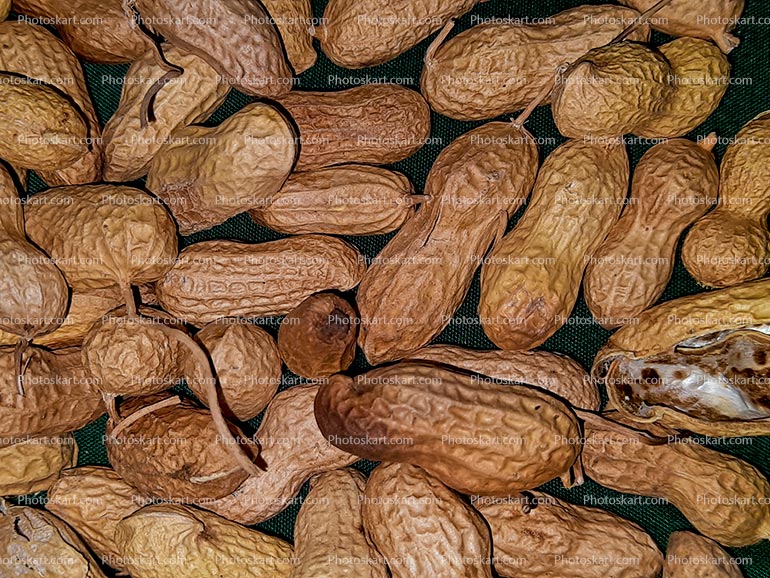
(33,464)
(294,19)
(446,536)
(293,449)
(214,279)
(536,535)
(487,439)
(498,67)
(207,175)
(675,183)
(531,278)
(345,200)
(355,34)
(36,543)
(692,556)
(556,373)
(422,276)
(190,98)
(169,541)
(731,244)
(5,8)
(329,537)
(698,363)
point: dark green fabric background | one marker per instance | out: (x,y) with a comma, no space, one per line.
(581,338)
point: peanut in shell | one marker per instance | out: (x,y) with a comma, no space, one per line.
(692,556)
(33,464)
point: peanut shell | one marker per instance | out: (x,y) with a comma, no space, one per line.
(294,19)
(34,464)
(486,439)
(216,279)
(692,556)
(420,279)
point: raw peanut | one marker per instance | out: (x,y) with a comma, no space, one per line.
(34,52)
(103,235)
(36,543)
(329,537)
(370,32)
(446,536)
(536,535)
(172,452)
(530,280)
(422,276)
(731,244)
(34,292)
(486,439)
(207,175)
(234,36)
(708,19)
(190,98)
(294,450)
(556,373)
(611,91)
(346,200)
(294,19)
(692,556)
(498,68)
(318,338)
(701,74)
(698,363)
(58,394)
(33,464)
(674,184)
(247,364)
(376,124)
(93,500)
(169,541)
(216,279)
(100,31)
(723,497)
(39,127)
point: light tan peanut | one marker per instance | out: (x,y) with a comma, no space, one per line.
(611,91)
(709,19)
(370,32)
(377,124)
(216,279)
(96,30)
(498,68)
(440,420)
(697,363)
(674,184)
(447,537)
(236,37)
(530,280)
(318,338)
(34,292)
(329,537)
(345,200)
(105,235)
(5,8)
(700,77)
(294,19)
(556,373)
(536,535)
(34,52)
(190,98)
(247,363)
(58,394)
(40,129)
(36,543)
(33,464)
(731,244)
(692,556)
(294,450)
(169,541)
(723,497)
(93,499)
(207,175)
(179,455)
(422,276)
